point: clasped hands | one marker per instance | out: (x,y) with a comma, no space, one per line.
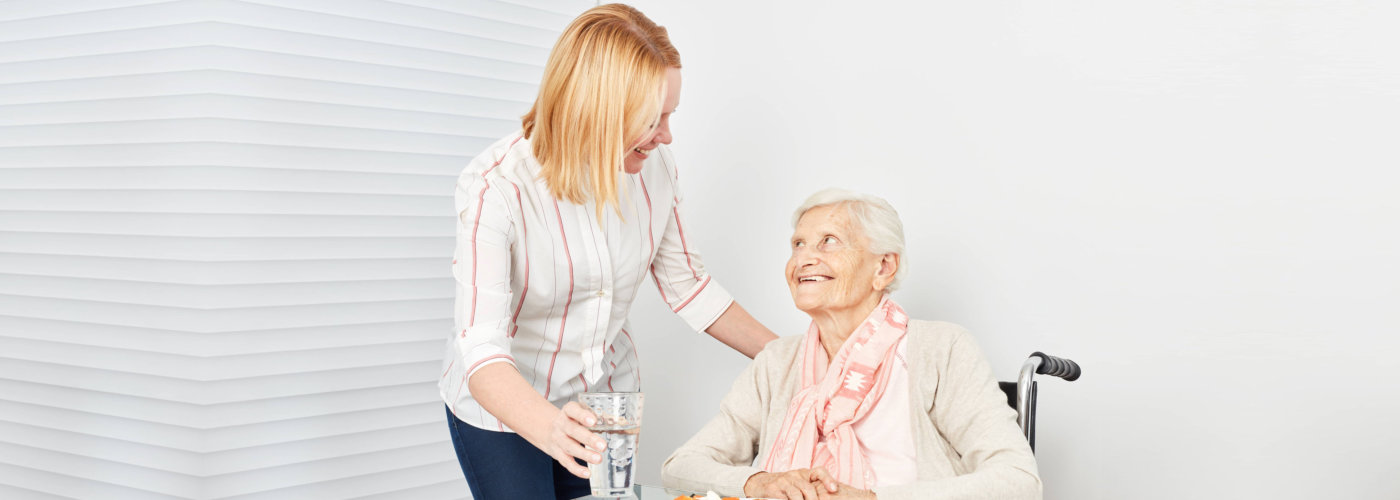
(802,484)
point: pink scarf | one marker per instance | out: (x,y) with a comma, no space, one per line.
(835,394)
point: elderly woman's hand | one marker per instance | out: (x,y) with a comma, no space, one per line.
(797,484)
(848,492)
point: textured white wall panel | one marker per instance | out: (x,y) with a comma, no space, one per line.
(224,236)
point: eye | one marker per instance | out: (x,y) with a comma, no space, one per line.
(829,240)
(798,244)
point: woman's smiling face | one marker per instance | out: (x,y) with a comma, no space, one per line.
(831,270)
(659,134)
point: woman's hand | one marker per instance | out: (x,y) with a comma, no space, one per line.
(797,484)
(569,438)
(560,433)
(848,492)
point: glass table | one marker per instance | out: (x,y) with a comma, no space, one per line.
(645,492)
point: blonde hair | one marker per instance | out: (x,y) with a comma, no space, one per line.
(602,88)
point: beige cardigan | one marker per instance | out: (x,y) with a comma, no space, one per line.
(966,438)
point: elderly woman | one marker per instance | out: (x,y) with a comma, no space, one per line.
(867,404)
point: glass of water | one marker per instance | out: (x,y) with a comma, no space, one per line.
(619,423)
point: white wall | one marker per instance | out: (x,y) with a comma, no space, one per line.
(1195,200)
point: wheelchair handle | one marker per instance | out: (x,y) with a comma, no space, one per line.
(1056,367)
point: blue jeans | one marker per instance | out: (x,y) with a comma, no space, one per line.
(503,465)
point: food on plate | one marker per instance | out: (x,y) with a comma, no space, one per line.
(711,495)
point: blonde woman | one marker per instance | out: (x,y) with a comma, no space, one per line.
(559,226)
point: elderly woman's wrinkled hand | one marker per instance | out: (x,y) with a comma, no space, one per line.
(847,492)
(797,484)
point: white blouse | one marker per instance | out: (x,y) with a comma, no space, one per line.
(545,285)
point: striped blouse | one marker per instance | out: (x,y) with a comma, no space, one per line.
(545,285)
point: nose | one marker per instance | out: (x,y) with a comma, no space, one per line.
(803,257)
(663,133)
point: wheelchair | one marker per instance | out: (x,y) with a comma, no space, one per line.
(1021,393)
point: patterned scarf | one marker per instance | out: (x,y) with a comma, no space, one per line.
(835,394)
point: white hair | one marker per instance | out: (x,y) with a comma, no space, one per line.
(874,217)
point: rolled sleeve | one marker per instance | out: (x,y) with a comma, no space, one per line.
(482,346)
(704,305)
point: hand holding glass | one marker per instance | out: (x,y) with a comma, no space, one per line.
(619,422)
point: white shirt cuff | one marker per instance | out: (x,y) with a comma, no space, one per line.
(704,304)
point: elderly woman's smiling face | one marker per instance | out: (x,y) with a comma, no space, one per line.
(831,271)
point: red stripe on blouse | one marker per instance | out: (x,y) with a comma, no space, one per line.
(480,200)
(650,239)
(703,284)
(657,280)
(684,249)
(525,243)
(560,344)
(503,156)
(636,370)
(485,359)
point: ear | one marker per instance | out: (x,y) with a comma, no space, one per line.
(884,275)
